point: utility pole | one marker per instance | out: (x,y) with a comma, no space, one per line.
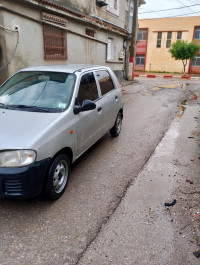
(132,48)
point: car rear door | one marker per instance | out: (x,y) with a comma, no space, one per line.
(89,124)
(111,98)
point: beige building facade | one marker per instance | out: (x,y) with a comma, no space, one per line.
(155,37)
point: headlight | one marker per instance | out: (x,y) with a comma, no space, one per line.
(17,158)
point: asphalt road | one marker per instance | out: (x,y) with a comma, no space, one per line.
(41,232)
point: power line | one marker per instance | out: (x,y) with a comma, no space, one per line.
(168,9)
(172,16)
(198,12)
(184,5)
(197,1)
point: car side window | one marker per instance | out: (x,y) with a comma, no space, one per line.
(88,88)
(105,81)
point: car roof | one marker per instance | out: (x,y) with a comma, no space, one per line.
(65,68)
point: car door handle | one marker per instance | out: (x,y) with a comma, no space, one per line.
(99,109)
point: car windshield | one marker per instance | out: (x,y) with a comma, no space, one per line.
(38,91)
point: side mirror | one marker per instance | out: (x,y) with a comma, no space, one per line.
(86,106)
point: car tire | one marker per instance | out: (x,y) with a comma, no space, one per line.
(57,177)
(116,129)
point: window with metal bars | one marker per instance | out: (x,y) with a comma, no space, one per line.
(89,32)
(55,43)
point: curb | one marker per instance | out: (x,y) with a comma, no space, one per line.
(168,76)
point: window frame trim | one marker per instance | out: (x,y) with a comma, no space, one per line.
(140,56)
(114,85)
(194,33)
(79,82)
(177,35)
(143,32)
(160,40)
(112,50)
(197,55)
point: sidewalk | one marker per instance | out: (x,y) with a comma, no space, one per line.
(142,230)
(167,75)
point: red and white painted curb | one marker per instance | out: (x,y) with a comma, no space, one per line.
(168,76)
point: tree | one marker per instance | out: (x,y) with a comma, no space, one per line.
(182,50)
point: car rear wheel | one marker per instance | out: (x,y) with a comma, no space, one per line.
(57,177)
(116,129)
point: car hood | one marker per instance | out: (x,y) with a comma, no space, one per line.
(18,128)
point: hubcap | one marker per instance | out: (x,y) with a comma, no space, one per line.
(118,124)
(60,176)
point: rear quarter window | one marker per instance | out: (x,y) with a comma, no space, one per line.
(105,81)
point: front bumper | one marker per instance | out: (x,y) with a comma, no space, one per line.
(23,182)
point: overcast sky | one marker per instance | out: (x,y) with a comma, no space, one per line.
(184,8)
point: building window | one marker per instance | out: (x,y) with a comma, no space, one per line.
(169,37)
(140,59)
(179,35)
(89,32)
(55,46)
(159,39)
(197,33)
(195,61)
(142,35)
(55,39)
(110,50)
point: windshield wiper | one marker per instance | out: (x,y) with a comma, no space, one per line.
(3,105)
(30,107)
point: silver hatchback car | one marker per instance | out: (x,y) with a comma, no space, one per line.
(49,117)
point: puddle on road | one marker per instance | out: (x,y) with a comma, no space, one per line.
(183,86)
(194,96)
(184,102)
(181,111)
(156,88)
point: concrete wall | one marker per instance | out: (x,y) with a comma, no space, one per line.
(30,51)
(159,59)
(83,50)
(85,6)
(106,13)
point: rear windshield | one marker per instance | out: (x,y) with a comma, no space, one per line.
(38,91)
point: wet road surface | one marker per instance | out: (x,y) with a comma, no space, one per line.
(155,224)
(41,232)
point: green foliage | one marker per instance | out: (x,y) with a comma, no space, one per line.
(182,50)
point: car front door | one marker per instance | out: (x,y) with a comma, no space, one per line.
(88,123)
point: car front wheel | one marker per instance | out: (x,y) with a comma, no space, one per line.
(57,177)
